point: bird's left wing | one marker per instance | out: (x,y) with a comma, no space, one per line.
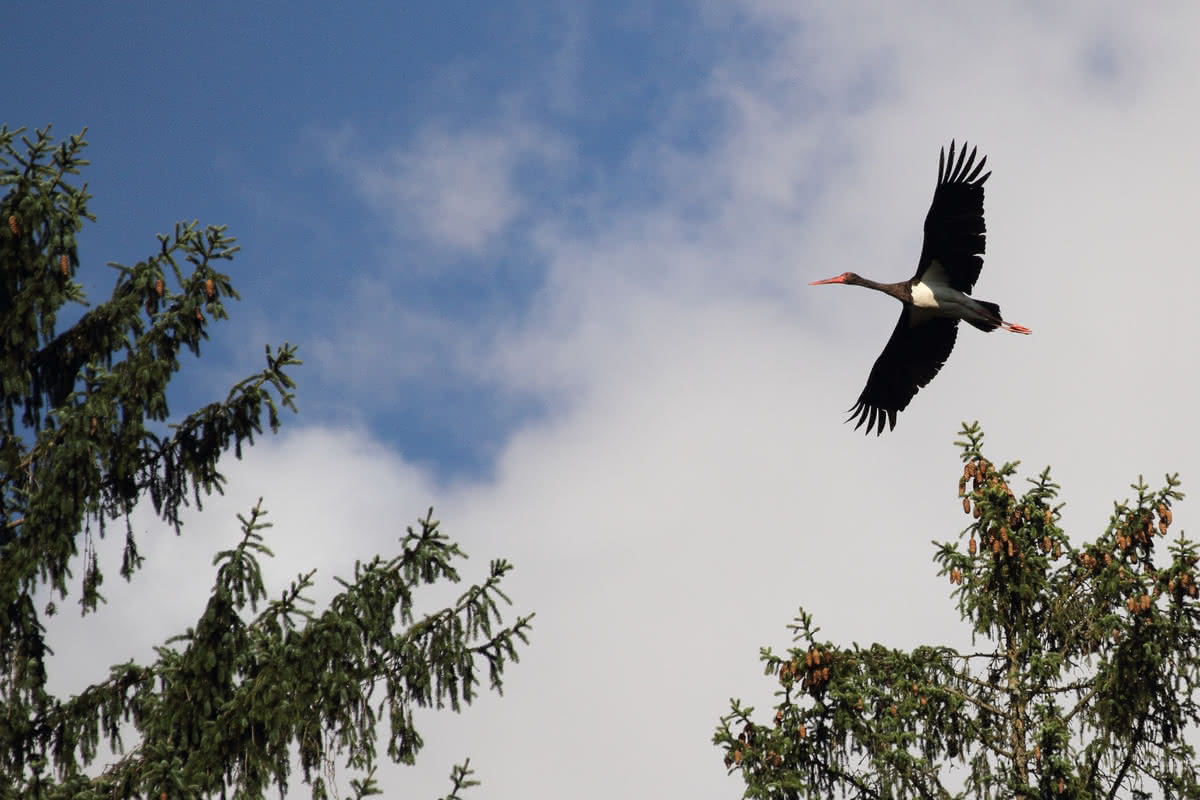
(919,347)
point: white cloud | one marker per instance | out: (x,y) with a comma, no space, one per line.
(694,485)
(457,187)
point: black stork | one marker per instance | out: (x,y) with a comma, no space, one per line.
(934,299)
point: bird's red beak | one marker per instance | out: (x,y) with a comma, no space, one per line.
(837,279)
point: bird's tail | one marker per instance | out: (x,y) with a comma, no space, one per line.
(988,324)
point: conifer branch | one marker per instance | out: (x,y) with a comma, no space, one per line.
(1107,626)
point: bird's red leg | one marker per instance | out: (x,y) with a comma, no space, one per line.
(1014,327)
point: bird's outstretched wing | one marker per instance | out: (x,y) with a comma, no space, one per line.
(954,228)
(919,347)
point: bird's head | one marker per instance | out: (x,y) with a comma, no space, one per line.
(846,277)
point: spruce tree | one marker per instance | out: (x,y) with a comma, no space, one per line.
(257,685)
(1080,683)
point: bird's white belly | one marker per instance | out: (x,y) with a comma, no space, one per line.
(943,301)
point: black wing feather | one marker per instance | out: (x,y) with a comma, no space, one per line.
(919,347)
(954,228)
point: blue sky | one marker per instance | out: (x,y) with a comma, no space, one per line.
(547,266)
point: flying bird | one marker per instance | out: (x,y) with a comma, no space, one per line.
(935,298)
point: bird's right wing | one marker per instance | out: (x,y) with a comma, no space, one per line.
(954,227)
(919,347)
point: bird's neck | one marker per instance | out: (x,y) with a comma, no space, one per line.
(902,291)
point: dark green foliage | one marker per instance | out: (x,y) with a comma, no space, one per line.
(228,707)
(1080,684)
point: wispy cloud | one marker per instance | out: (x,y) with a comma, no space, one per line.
(457,187)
